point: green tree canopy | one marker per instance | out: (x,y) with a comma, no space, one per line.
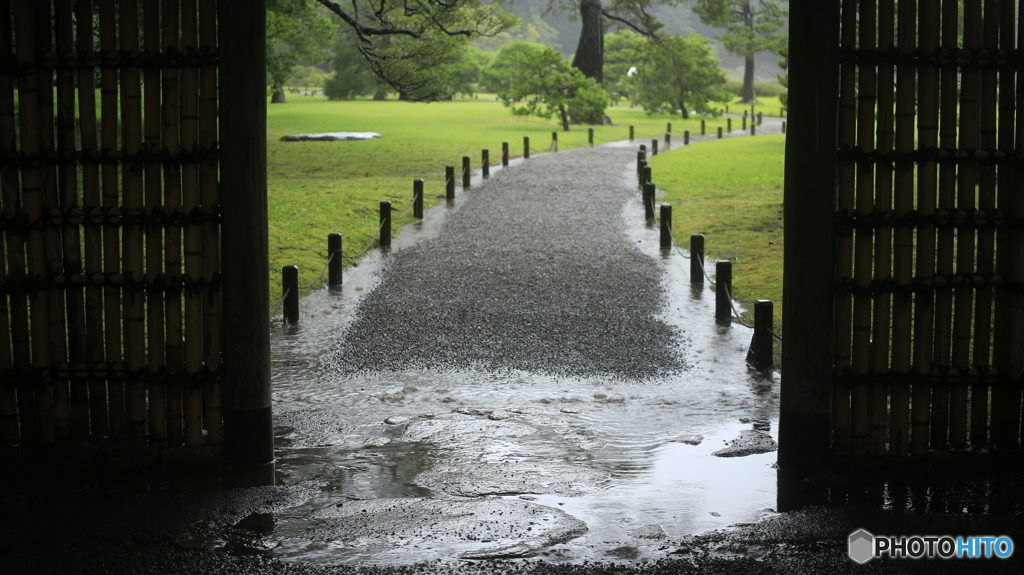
(296,32)
(534,80)
(679,73)
(412,44)
(624,49)
(751,26)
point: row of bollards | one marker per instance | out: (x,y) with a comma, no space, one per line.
(760,355)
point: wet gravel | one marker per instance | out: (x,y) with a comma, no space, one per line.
(533,272)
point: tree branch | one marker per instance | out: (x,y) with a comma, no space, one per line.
(646,30)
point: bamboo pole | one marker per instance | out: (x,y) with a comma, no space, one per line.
(131,235)
(861,359)
(966,183)
(903,240)
(209,196)
(8,391)
(947,204)
(67,200)
(1015,266)
(881,320)
(928,138)
(91,205)
(153,186)
(193,392)
(32,201)
(1006,401)
(15,241)
(985,236)
(111,229)
(844,235)
(57,336)
(172,235)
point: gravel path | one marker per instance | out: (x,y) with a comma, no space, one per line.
(533,273)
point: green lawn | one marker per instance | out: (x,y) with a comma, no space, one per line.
(316,188)
(731,191)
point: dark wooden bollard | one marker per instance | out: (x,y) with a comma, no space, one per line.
(504,154)
(666,226)
(466,173)
(760,118)
(783,127)
(485,163)
(639,162)
(449,183)
(728,124)
(643,149)
(654,147)
(554,141)
(641,173)
(590,136)
(668,127)
(723,290)
(686,137)
(290,288)
(334,265)
(744,127)
(417,199)
(697,259)
(727,108)
(744,114)
(648,200)
(668,141)
(719,132)
(385,224)
(526,147)
(782,111)
(753,128)
(760,354)
(630,133)
(647,176)
(702,127)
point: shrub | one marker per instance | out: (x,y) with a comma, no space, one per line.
(761,89)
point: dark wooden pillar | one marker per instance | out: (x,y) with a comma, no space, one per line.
(248,429)
(809,207)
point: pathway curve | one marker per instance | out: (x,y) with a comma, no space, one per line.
(533,273)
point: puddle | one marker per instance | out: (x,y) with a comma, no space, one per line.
(624,458)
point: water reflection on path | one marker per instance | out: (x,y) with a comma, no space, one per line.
(616,455)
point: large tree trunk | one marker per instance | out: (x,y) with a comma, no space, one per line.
(589,57)
(278,95)
(748,61)
(748,80)
(565,118)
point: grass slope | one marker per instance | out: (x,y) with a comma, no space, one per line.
(730,190)
(316,188)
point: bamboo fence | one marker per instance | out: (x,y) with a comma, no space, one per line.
(109,321)
(928,329)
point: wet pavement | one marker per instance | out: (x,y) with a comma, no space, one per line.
(407,444)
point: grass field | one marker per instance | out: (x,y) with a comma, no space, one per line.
(731,191)
(316,188)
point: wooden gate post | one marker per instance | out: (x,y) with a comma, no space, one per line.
(809,205)
(248,426)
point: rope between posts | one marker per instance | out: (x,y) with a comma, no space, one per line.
(280,303)
(310,284)
(728,294)
(368,246)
